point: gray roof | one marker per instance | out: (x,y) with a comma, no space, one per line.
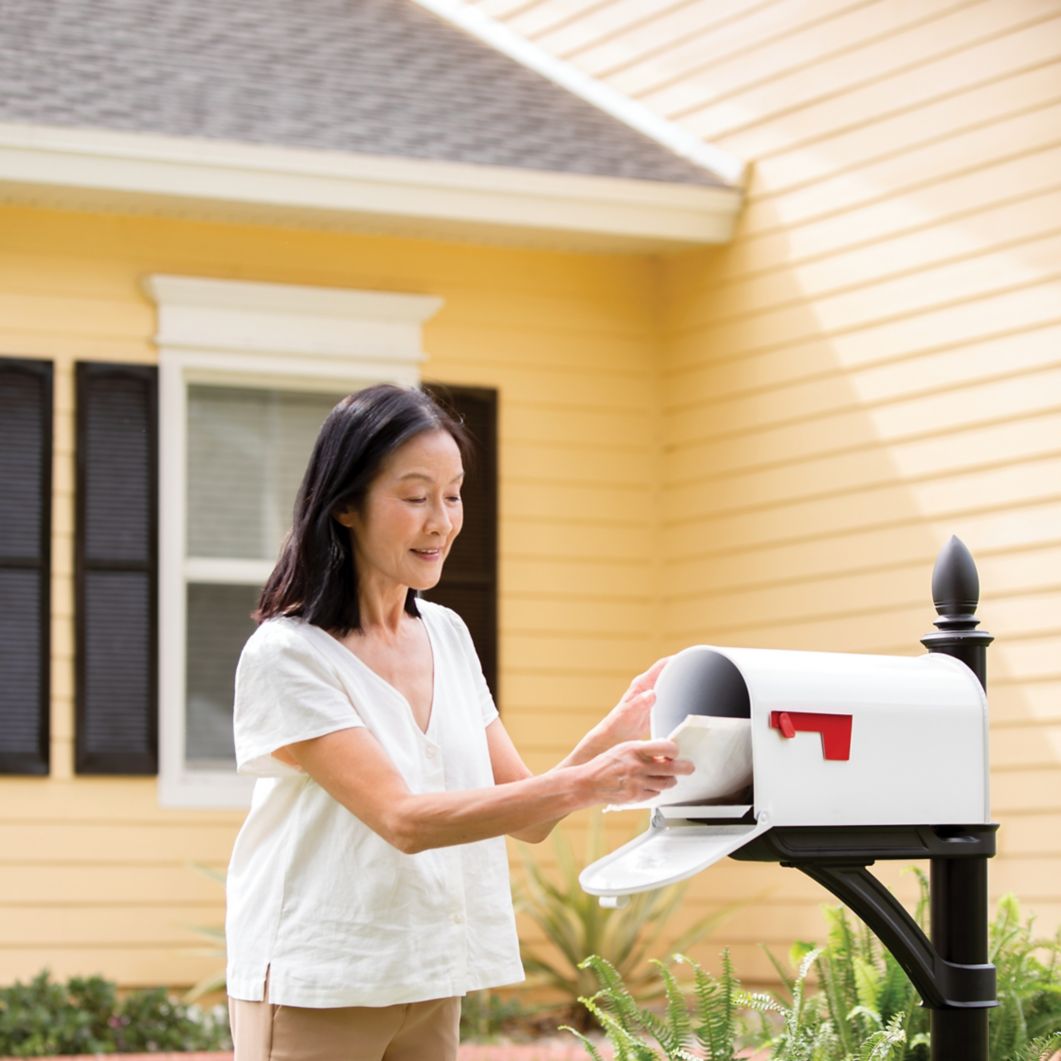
(379,77)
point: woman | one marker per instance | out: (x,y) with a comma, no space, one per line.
(368,888)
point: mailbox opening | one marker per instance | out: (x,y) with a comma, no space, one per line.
(702,702)
(699,681)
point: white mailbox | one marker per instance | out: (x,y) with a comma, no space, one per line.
(785,738)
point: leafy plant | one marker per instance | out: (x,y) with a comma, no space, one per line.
(577,926)
(1043,1048)
(810,1030)
(863,1008)
(85,1016)
(42,1017)
(486,1015)
(1029,984)
(711,1023)
(866,991)
(213,982)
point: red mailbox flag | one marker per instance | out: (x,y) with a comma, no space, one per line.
(835,730)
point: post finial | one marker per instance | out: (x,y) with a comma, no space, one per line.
(955,583)
(956,594)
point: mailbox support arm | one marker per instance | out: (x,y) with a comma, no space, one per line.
(941,984)
(837,856)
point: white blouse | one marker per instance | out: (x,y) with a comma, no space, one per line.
(337,915)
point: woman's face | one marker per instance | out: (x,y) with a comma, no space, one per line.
(403,530)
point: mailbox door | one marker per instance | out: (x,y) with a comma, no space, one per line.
(665,855)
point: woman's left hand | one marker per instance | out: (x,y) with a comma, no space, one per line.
(628,720)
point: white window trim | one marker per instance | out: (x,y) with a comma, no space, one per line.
(249,334)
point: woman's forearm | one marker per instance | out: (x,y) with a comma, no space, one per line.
(589,747)
(352,767)
(439,819)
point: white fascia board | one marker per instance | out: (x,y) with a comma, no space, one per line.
(44,164)
(723,165)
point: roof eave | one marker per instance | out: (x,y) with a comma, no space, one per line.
(212,179)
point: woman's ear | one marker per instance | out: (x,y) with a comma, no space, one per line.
(345,514)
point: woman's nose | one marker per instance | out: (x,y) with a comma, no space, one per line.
(439,519)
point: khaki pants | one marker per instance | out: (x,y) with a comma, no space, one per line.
(417,1031)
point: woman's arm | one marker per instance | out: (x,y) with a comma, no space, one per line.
(352,767)
(628,720)
(509,766)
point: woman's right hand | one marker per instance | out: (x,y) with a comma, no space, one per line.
(635,770)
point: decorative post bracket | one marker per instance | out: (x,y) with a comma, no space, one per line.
(837,860)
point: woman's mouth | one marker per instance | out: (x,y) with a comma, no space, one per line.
(428,554)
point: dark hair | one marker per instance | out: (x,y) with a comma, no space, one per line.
(316,575)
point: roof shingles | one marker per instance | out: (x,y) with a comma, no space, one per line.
(378,77)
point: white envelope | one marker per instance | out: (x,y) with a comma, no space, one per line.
(721,749)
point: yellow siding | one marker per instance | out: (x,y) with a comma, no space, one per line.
(873,363)
(96,876)
(761,444)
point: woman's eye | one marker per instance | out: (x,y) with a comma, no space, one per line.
(416,500)
(454,499)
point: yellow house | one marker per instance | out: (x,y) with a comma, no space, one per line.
(768,296)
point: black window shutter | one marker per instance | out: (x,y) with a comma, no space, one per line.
(25,564)
(469,579)
(116,569)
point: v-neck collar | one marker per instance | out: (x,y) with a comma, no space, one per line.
(353,658)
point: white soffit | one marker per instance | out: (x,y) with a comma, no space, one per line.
(220,180)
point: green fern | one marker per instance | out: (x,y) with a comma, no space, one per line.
(885,1044)
(863,1008)
(710,1019)
(677,1028)
(717,1002)
(864,991)
(613,991)
(591,1049)
(1029,983)
(626,1043)
(1042,1048)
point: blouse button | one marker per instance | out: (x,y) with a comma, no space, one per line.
(431,752)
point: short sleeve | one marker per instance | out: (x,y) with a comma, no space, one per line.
(464,648)
(487,707)
(285,692)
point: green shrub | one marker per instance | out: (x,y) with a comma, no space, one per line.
(863,990)
(486,1016)
(864,1007)
(86,1016)
(1029,983)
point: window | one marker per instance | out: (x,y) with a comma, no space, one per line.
(247,372)
(246,450)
